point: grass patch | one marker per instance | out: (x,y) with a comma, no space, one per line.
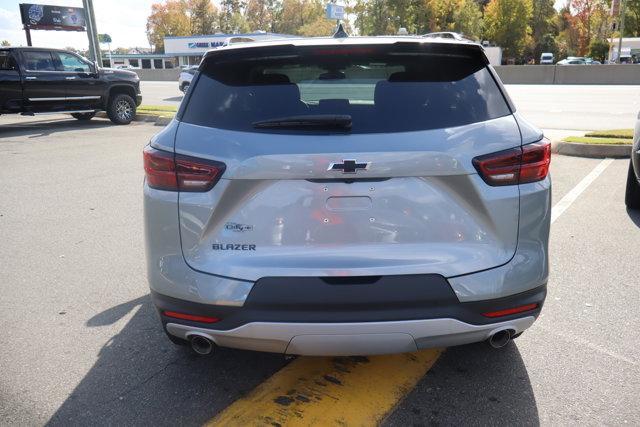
(613,133)
(600,141)
(164,108)
(158,110)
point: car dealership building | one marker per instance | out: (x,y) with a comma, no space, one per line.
(189,49)
(181,51)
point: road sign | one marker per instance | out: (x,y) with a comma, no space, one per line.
(335,11)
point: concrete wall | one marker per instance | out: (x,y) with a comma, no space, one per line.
(511,74)
(159,75)
(570,74)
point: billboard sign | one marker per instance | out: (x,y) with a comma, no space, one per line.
(44,17)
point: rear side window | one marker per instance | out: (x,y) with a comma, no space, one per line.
(38,61)
(381,88)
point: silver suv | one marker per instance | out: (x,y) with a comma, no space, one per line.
(347,197)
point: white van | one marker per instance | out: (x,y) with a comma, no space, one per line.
(546,58)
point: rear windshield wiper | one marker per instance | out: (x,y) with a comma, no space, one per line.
(313,121)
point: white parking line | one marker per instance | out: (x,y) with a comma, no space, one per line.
(572,195)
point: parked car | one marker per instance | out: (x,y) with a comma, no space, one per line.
(184,79)
(42,81)
(578,60)
(346,197)
(573,60)
(446,35)
(547,58)
(632,195)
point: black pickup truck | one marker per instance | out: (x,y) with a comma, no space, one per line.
(43,81)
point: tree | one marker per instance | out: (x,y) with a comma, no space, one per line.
(461,16)
(5,43)
(262,14)
(599,49)
(231,19)
(384,17)
(585,12)
(168,19)
(375,17)
(321,26)
(632,19)
(542,28)
(298,14)
(507,24)
(203,16)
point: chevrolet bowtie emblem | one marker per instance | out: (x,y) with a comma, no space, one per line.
(348,166)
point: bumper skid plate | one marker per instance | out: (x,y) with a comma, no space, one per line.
(349,339)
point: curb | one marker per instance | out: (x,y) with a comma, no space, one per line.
(575,149)
(142,117)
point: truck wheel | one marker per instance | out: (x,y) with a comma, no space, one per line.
(121,109)
(83,116)
(184,87)
(632,197)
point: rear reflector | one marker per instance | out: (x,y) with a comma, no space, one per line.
(193,318)
(529,163)
(176,172)
(509,311)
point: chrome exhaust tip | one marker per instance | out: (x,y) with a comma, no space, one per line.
(201,345)
(500,339)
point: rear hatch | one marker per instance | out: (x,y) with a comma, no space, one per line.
(347,160)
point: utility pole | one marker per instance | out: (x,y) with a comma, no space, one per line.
(27,31)
(92,32)
(623,8)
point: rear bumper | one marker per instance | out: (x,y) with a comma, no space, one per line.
(348,339)
(329,329)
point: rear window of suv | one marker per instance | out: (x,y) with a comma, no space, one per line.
(381,88)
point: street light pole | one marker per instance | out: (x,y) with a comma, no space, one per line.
(622,13)
(92,32)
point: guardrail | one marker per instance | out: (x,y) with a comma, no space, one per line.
(614,74)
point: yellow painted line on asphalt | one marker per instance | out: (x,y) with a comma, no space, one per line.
(342,391)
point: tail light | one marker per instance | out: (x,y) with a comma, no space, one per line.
(176,172)
(529,163)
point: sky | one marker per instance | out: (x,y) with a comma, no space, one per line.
(123,20)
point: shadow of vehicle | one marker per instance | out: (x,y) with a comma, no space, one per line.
(174,98)
(471,385)
(635,216)
(141,378)
(41,128)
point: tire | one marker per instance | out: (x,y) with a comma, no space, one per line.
(632,196)
(121,109)
(83,116)
(184,87)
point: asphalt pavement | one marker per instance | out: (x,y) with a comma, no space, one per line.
(81,343)
(551,107)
